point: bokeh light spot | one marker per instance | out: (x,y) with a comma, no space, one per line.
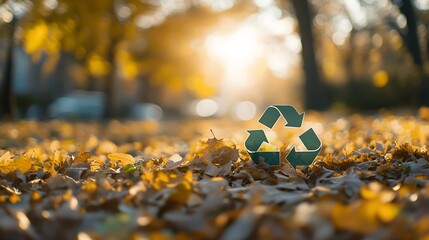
(380,79)
(206,108)
(245,110)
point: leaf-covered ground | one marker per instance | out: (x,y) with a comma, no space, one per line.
(140,180)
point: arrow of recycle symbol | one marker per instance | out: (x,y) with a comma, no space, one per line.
(294,120)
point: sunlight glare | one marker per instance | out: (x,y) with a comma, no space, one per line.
(269,16)
(264,3)
(279,63)
(293,43)
(51,4)
(219,5)
(281,27)
(239,48)
(357,13)
(339,38)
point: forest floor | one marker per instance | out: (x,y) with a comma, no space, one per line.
(163,180)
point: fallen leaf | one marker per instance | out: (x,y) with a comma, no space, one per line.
(122,158)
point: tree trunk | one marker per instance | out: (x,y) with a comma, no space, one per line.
(110,85)
(411,39)
(7,101)
(146,92)
(314,92)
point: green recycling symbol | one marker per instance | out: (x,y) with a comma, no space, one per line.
(293,120)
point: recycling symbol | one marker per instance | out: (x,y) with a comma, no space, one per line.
(293,120)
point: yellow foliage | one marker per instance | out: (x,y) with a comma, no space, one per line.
(216,151)
(36,153)
(82,157)
(367,215)
(162,74)
(122,158)
(161,180)
(8,163)
(387,212)
(97,66)
(35,37)
(48,167)
(368,193)
(129,67)
(95,163)
(89,186)
(106,147)
(349,199)
(187,180)
(59,157)
(91,143)
(380,79)
(174,84)
(330,68)
(200,88)
(43,37)
(52,44)
(358,217)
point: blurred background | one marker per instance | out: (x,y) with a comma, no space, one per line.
(153,59)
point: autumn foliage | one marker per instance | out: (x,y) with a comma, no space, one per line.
(139,179)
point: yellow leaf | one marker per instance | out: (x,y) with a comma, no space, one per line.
(23,163)
(187,180)
(161,180)
(387,212)
(14,199)
(368,193)
(122,158)
(218,152)
(6,159)
(82,157)
(36,153)
(35,196)
(106,147)
(147,176)
(359,216)
(95,162)
(48,166)
(267,147)
(59,157)
(8,163)
(89,186)
(91,143)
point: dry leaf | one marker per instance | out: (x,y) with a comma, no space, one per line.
(122,158)
(10,163)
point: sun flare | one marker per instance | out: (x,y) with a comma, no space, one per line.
(238,49)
